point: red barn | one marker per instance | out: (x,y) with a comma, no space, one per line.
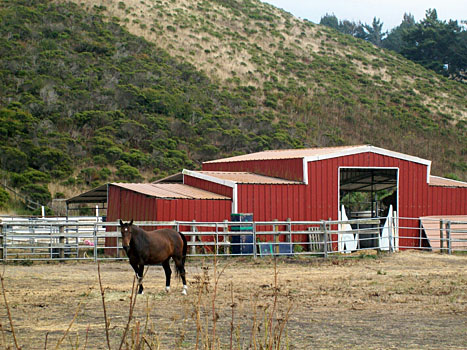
(298,184)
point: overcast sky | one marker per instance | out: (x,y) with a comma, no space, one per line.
(390,12)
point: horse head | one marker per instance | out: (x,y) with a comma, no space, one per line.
(125,229)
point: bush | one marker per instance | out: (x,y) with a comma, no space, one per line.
(37,193)
(4,198)
(13,159)
(129,173)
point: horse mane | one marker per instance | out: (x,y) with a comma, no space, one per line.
(139,235)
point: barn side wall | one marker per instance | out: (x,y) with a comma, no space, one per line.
(290,169)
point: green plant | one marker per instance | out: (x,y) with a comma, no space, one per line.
(4,198)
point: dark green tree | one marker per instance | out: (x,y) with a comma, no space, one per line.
(394,39)
(330,21)
(374,32)
(436,45)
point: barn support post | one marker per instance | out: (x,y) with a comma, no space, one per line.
(441,236)
(448,236)
(61,241)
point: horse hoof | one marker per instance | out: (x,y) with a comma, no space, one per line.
(167,289)
(184,290)
(141,293)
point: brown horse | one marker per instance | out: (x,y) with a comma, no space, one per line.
(154,247)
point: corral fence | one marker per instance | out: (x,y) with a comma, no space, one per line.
(89,238)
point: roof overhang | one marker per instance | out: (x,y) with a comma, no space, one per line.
(96,195)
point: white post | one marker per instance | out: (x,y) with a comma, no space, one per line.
(43,211)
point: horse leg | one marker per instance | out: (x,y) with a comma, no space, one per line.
(180,266)
(139,276)
(168,273)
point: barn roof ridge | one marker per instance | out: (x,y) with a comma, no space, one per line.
(238,177)
(319,153)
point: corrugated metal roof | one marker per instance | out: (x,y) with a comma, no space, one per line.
(313,154)
(285,154)
(245,177)
(172,191)
(441,181)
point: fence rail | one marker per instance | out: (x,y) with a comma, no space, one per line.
(92,239)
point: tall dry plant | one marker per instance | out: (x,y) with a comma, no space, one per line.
(273,322)
(10,319)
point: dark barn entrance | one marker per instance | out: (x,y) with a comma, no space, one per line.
(367,193)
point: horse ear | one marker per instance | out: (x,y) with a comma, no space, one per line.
(131,222)
(121,222)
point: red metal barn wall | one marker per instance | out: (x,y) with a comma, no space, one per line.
(291,169)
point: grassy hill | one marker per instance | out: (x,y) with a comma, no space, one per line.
(135,90)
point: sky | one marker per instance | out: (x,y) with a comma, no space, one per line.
(390,12)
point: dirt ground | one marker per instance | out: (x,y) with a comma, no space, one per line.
(407,300)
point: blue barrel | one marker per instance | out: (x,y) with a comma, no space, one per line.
(242,243)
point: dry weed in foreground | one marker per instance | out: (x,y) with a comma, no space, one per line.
(267,331)
(268,323)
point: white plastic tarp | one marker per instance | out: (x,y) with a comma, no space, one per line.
(387,228)
(347,240)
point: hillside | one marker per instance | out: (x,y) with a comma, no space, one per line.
(137,90)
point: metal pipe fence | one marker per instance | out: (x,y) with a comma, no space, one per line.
(90,239)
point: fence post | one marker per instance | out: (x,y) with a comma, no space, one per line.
(390,226)
(275,228)
(193,239)
(217,240)
(441,236)
(2,241)
(94,234)
(226,238)
(325,238)
(448,236)
(289,229)
(255,246)
(61,241)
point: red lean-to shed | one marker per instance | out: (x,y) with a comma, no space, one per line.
(299,184)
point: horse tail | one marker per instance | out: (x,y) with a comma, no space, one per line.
(184,251)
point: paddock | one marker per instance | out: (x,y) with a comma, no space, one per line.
(408,299)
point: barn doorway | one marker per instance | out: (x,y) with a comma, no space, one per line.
(368,193)
(368,190)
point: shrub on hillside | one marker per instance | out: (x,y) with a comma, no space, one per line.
(4,198)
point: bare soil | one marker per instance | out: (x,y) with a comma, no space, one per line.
(406,300)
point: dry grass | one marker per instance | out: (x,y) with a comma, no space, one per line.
(406,300)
